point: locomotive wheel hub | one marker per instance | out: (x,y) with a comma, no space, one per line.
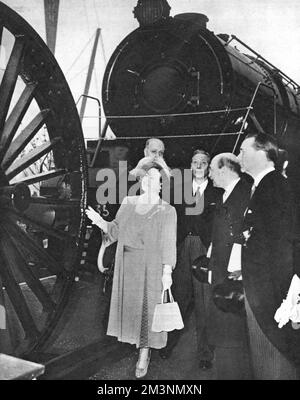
(21,197)
(17,196)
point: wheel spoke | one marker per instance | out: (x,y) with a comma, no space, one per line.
(2,300)
(9,79)
(13,290)
(5,341)
(41,153)
(30,158)
(24,138)
(32,281)
(14,120)
(1,33)
(30,245)
(43,176)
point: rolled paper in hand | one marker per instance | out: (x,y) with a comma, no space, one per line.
(282,315)
(289,309)
(295,314)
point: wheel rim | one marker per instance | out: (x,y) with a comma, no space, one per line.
(42,187)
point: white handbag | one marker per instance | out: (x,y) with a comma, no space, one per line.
(167,316)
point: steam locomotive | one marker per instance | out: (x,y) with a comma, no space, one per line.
(171,78)
(174,78)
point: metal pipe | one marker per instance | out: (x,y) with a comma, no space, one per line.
(246,116)
(89,74)
(99,110)
(99,144)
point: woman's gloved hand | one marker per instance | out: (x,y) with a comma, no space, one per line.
(167,277)
(105,243)
(96,218)
(282,315)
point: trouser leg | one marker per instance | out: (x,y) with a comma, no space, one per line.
(232,363)
(267,362)
(181,289)
(202,293)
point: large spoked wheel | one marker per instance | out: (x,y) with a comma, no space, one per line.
(42,188)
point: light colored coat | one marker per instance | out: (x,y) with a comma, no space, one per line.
(145,243)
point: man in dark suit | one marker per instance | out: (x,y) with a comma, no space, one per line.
(227,331)
(267,261)
(195,217)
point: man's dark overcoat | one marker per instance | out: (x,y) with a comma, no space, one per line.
(267,259)
(227,329)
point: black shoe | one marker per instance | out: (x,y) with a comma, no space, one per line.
(205,364)
(165,352)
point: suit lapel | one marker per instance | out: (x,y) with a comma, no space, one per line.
(207,193)
(260,187)
(233,195)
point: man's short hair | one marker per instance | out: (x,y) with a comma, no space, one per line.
(265,142)
(229,161)
(205,153)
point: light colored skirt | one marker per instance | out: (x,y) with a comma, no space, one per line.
(137,304)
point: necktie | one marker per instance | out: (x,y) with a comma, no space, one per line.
(253,187)
(199,201)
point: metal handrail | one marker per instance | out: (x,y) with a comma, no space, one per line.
(238,134)
(251,107)
(285,77)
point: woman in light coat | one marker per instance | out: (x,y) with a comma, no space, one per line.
(145,228)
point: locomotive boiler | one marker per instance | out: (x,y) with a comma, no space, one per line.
(174,78)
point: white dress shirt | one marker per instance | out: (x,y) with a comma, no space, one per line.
(201,187)
(234,263)
(229,188)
